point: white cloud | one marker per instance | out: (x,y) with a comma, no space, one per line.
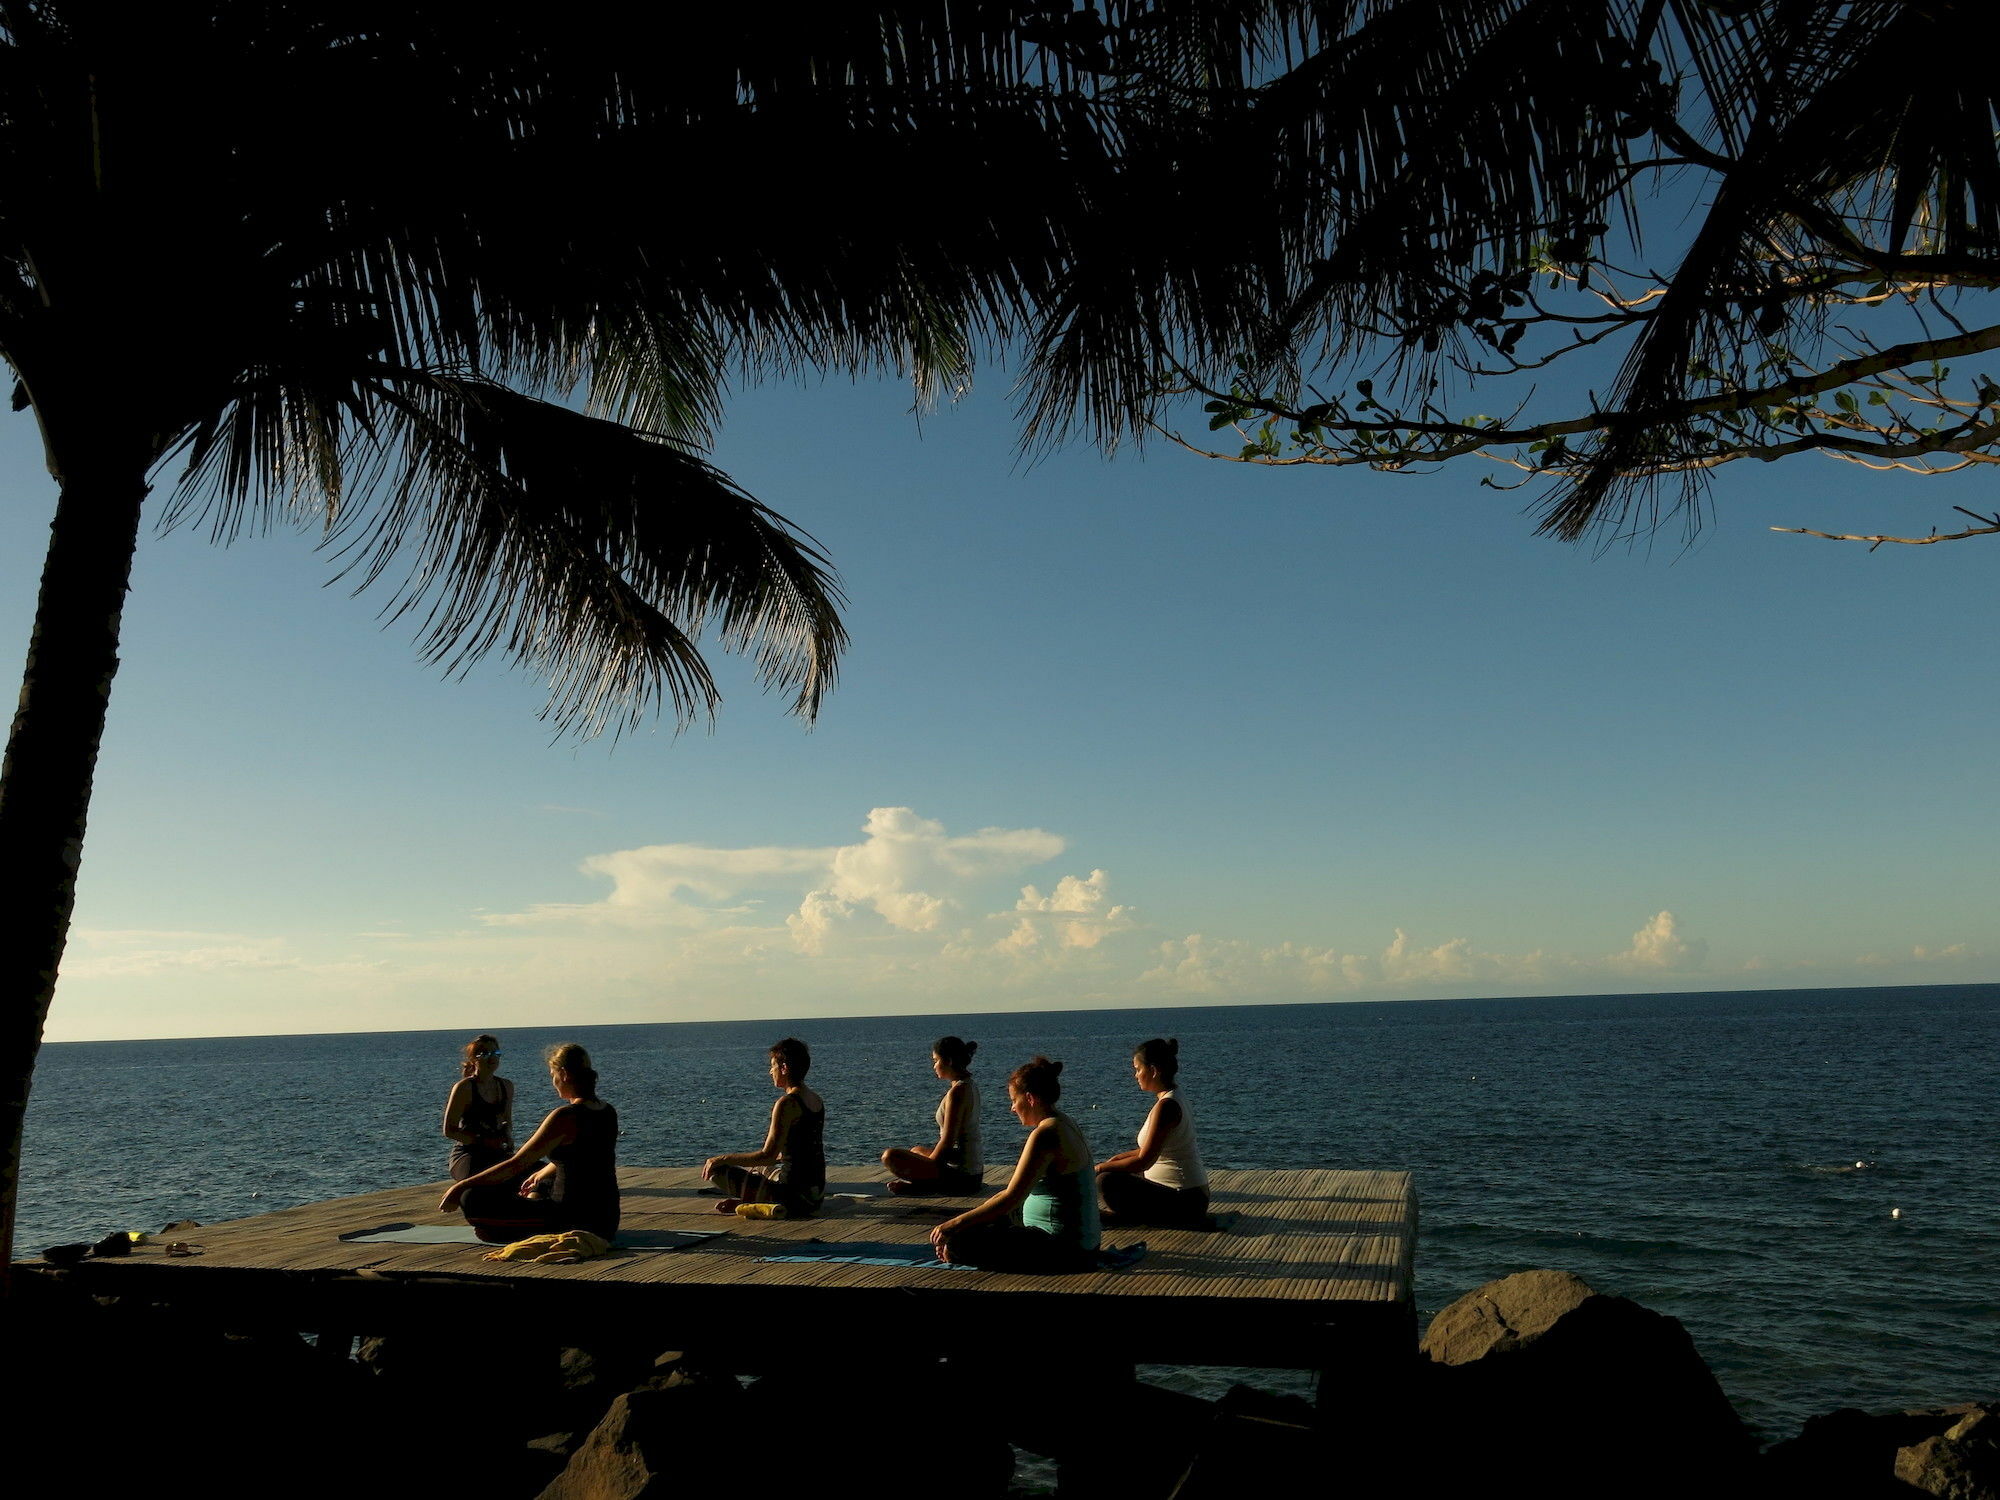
(908,871)
(908,916)
(903,862)
(1659,946)
(133,953)
(1226,968)
(673,884)
(1076,914)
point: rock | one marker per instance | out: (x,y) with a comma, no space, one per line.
(1137,1443)
(1589,1394)
(541,1460)
(589,1379)
(1260,1444)
(1266,1406)
(1853,1455)
(1960,1463)
(500,1389)
(671,1436)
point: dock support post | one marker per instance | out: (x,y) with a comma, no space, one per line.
(1366,1389)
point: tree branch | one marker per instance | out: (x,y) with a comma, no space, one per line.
(1906,541)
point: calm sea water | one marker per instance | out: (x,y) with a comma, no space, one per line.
(1694,1152)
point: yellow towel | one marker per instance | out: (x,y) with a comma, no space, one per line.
(563,1249)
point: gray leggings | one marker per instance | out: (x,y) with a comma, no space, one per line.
(753,1186)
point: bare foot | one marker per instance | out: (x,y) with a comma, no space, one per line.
(726,1205)
(900,1187)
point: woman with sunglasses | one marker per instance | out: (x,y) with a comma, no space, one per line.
(575,1188)
(479,1112)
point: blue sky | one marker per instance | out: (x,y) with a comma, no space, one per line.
(1254,735)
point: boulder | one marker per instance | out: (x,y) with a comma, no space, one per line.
(1136,1443)
(589,1378)
(1960,1463)
(1258,1443)
(1588,1394)
(673,1435)
(1855,1455)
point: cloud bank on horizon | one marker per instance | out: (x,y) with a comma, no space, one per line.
(909,917)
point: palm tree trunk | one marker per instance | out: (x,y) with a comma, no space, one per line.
(51,756)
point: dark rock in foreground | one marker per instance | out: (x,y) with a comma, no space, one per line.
(1952,1452)
(1540,1380)
(676,1433)
(1960,1463)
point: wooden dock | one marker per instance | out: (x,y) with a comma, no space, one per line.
(1312,1271)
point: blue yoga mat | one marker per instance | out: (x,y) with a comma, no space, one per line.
(923,1258)
(462,1234)
(871,1253)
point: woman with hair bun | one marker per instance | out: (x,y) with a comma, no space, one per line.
(577,1188)
(957,1162)
(1162,1179)
(1045,1219)
(479,1111)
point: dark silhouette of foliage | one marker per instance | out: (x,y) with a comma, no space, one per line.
(1757,229)
(462,292)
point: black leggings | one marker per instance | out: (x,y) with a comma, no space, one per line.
(1136,1200)
(499,1215)
(1015,1247)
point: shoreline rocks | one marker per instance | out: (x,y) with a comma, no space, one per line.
(1950,1452)
(1535,1381)
(1610,1397)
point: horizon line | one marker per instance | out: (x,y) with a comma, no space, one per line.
(1845,989)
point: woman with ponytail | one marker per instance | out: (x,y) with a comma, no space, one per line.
(479,1111)
(1161,1180)
(1045,1219)
(957,1162)
(577,1188)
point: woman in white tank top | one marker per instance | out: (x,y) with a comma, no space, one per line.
(1161,1180)
(957,1161)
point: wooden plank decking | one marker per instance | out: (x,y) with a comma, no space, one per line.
(1312,1260)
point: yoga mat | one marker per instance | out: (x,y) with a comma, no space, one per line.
(414,1234)
(923,1258)
(869,1253)
(462,1234)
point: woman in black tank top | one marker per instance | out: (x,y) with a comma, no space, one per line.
(790,1167)
(479,1113)
(577,1188)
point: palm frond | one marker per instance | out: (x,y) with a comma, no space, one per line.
(593,555)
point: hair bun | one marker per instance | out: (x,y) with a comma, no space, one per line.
(970,1048)
(1174,1046)
(1055,1067)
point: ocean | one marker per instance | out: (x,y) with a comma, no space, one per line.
(1730,1159)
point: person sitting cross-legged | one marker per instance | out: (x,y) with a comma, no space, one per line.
(957,1161)
(789,1169)
(1161,1180)
(577,1188)
(1045,1219)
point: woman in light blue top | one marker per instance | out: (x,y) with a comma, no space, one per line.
(1045,1219)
